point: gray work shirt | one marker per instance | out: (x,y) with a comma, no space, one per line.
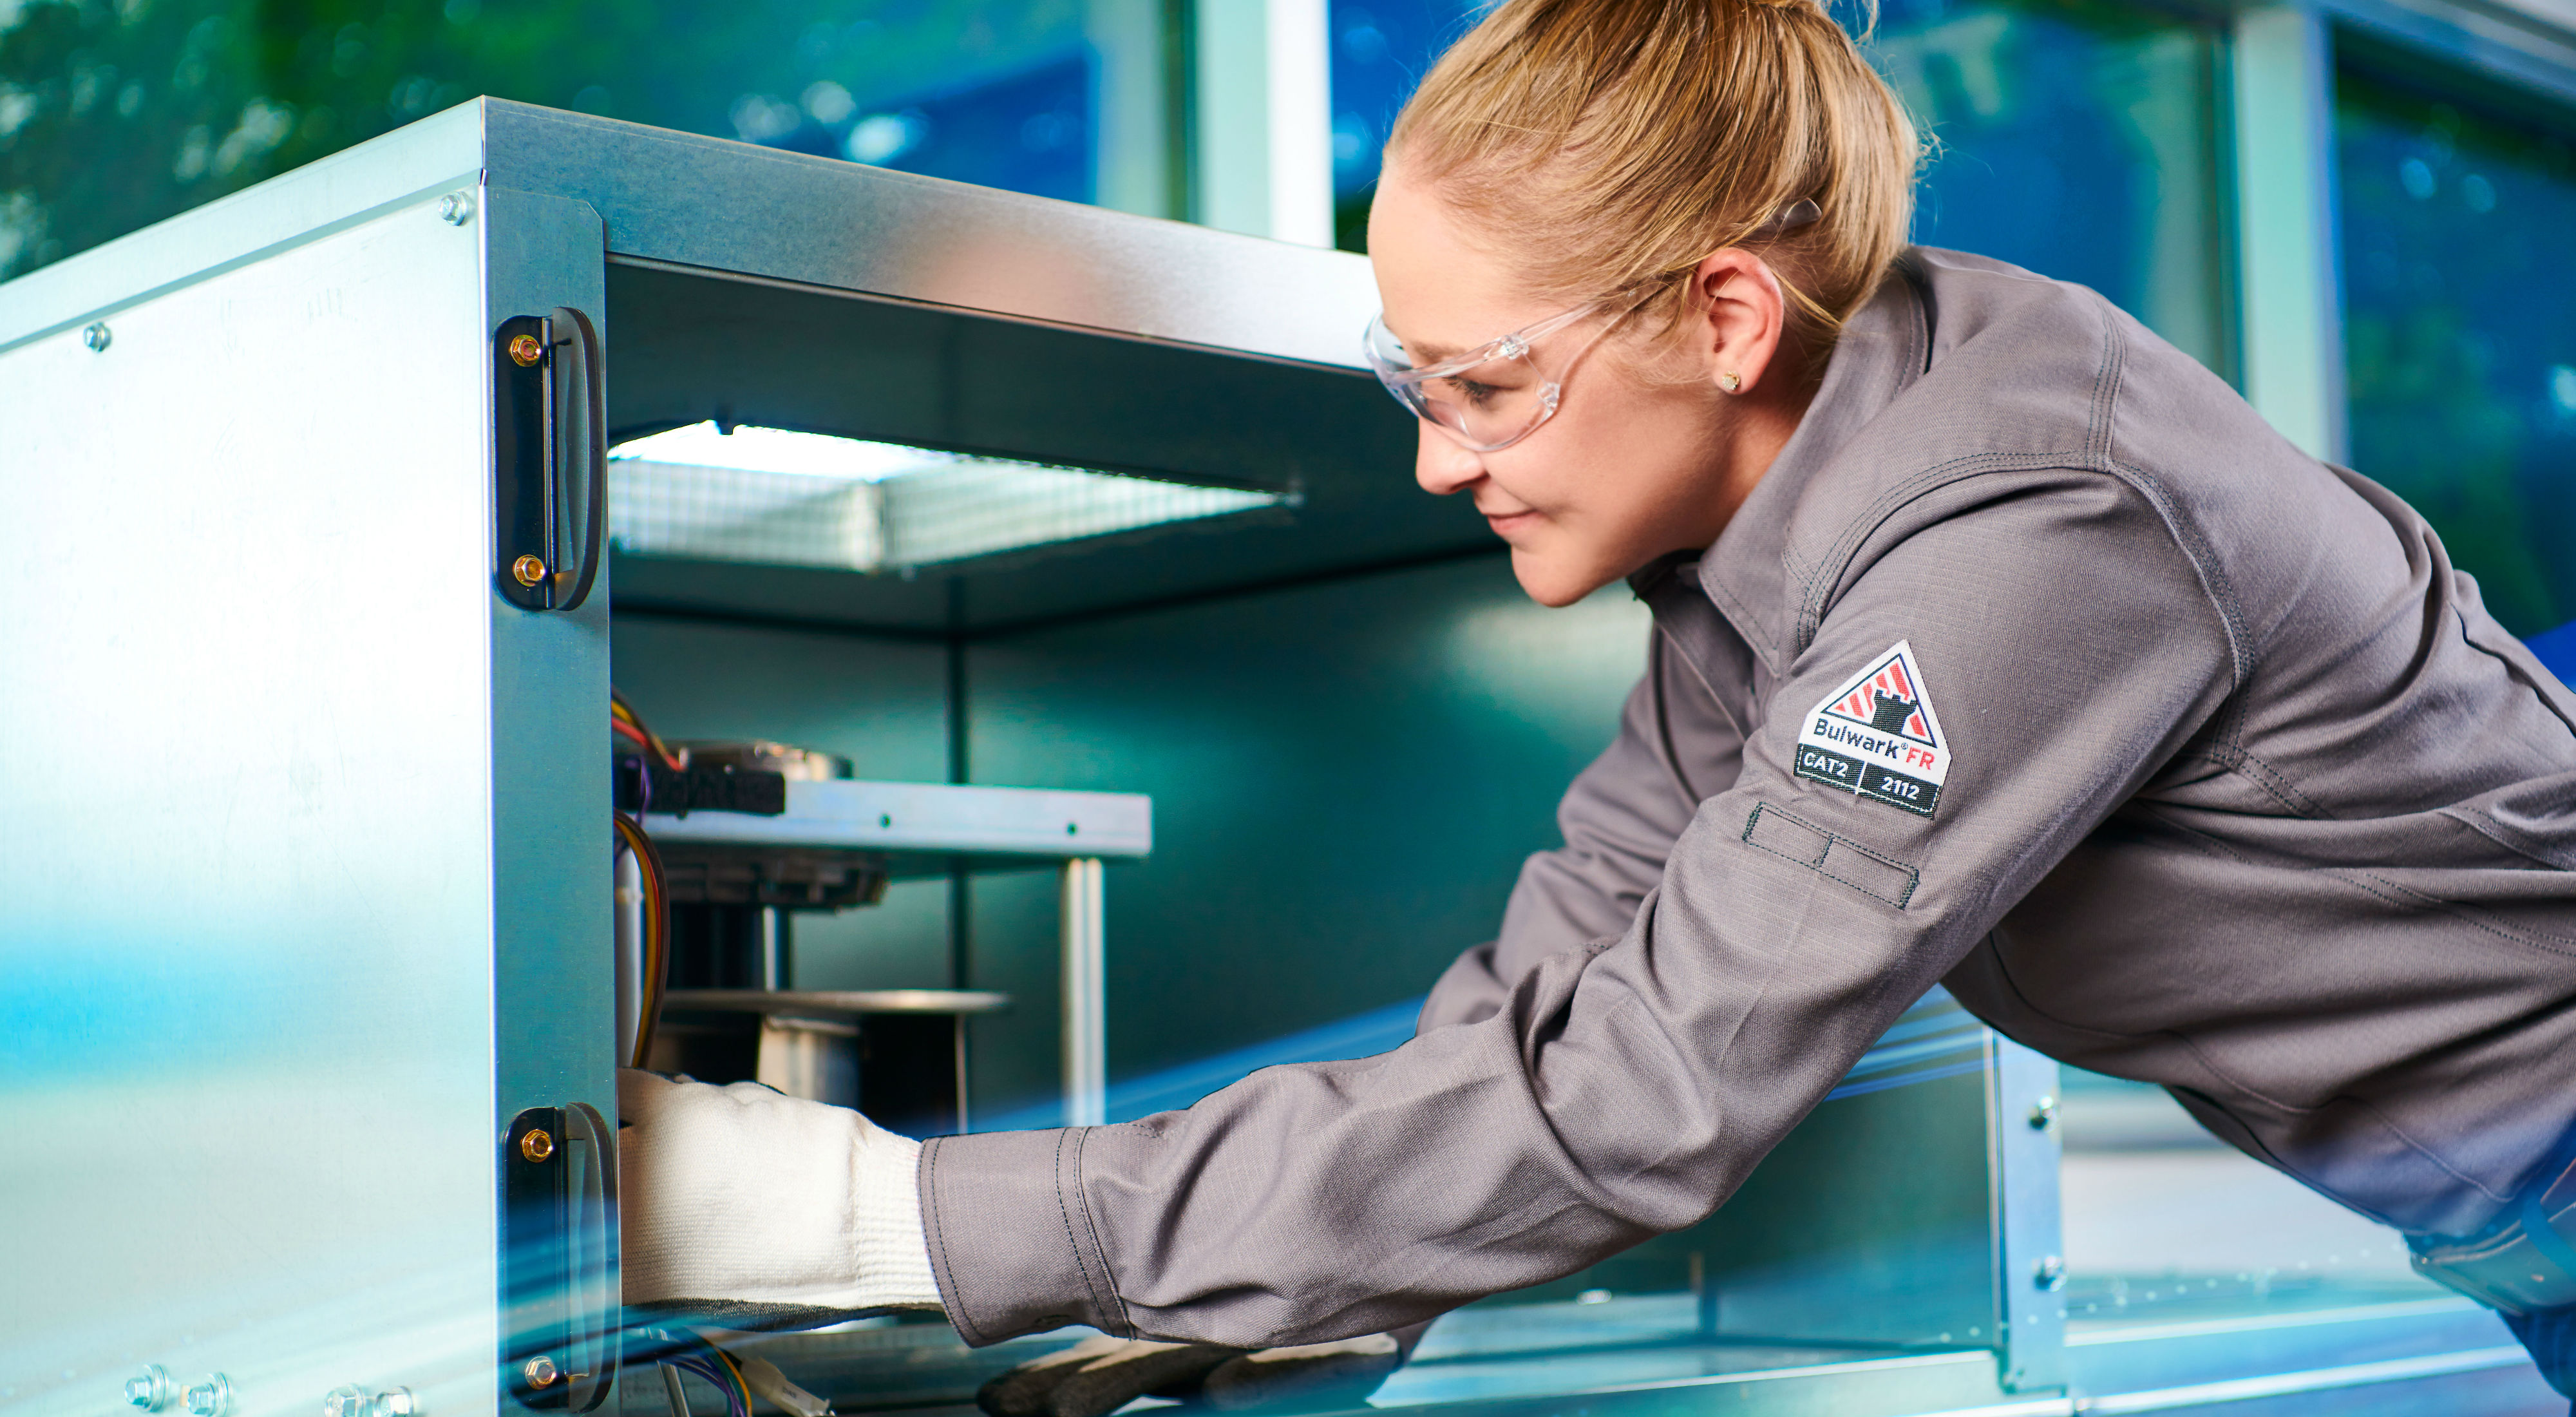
(2038,665)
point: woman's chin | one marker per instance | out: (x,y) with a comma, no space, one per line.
(1552,581)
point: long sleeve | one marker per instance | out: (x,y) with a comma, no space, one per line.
(1619,820)
(2063,638)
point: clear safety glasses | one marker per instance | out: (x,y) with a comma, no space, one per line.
(1494,395)
(1490,397)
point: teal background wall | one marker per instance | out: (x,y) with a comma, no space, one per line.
(1346,776)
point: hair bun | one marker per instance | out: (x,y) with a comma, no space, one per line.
(1606,144)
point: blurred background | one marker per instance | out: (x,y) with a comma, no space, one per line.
(2357,212)
(2352,214)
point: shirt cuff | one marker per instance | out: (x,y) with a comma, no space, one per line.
(1010,1238)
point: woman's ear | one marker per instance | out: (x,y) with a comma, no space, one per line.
(1743,317)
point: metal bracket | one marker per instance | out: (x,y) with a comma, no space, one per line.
(2021,1129)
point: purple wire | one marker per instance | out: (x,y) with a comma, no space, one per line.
(707,1370)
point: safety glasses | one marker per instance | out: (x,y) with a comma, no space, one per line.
(1490,397)
(1496,394)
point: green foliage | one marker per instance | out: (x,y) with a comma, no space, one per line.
(117,113)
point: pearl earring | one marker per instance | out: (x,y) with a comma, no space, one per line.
(1729,382)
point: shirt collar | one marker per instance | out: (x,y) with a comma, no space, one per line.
(1882,350)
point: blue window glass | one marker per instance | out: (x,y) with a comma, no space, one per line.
(1028,131)
(1381,49)
(2460,338)
(2074,138)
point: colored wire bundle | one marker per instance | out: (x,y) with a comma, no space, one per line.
(626,723)
(657,934)
(716,1367)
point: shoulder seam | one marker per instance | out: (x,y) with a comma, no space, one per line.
(2106,381)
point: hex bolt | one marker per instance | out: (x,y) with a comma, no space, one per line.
(149,1389)
(541,1371)
(537,1144)
(98,337)
(2049,1275)
(346,1400)
(395,1402)
(2043,1113)
(525,349)
(211,1398)
(529,571)
(456,208)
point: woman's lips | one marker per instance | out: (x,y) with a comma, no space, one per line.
(1504,523)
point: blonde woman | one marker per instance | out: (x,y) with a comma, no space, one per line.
(1998,645)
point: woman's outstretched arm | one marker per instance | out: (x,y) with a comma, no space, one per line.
(1625,1088)
(1620,818)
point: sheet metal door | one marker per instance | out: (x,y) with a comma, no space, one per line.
(299,891)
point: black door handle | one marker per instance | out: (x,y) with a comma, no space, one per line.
(585,459)
(549,445)
(559,1297)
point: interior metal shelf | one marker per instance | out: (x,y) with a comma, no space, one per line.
(838,1003)
(925,828)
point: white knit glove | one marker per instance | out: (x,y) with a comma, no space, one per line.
(745,1208)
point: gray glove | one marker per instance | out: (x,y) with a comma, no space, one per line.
(1100,1375)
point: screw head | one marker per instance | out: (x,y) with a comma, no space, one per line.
(526,349)
(2049,1275)
(541,1371)
(210,1398)
(346,1400)
(98,337)
(536,1144)
(456,208)
(529,571)
(395,1402)
(149,1388)
(2043,1113)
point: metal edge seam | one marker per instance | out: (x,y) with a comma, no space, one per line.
(2394,1370)
(842,292)
(306,237)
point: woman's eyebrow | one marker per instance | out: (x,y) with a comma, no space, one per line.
(1423,351)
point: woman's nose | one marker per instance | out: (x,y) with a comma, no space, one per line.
(1440,465)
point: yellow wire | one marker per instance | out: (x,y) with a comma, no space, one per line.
(657,941)
(732,1370)
(620,709)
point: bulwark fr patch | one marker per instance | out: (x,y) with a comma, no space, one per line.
(1878,736)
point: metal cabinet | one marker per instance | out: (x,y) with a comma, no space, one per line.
(305,859)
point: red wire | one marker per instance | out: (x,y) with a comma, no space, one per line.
(642,739)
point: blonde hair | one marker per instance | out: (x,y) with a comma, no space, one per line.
(1608,146)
